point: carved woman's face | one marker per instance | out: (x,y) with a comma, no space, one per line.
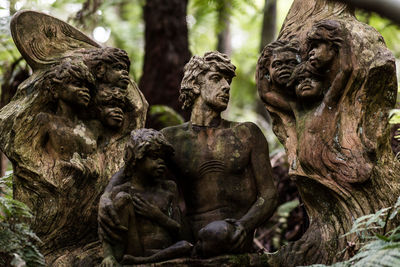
(74,92)
(321,55)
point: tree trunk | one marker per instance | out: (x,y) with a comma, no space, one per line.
(338,143)
(12,78)
(166,51)
(268,31)
(223,27)
(63,150)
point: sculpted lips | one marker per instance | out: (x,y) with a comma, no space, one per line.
(117,114)
(224,98)
(84,95)
(305,86)
(124,81)
(284,74)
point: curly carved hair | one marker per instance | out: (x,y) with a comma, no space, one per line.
(303,71)
(198,66)
(67,71)
(144,142)
(266,55)
(108,55)
(329,31)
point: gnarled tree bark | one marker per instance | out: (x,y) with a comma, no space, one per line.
(338,148)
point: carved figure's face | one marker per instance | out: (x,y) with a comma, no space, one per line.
(281,67)
(74,93)
(112,116)
(321,55)
(214,89)
(110,102)
(153,165)
(309,88)
(117,74)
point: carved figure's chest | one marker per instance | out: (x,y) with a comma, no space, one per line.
(67,140)
(212,150)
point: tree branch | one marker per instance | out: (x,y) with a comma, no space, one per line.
(386,8)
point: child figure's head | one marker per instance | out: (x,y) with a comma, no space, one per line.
(147,151)
(307,84)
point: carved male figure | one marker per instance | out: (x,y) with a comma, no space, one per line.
(146,204)
(222,167)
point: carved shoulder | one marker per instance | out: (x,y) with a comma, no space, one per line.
(175,132)
(170,186)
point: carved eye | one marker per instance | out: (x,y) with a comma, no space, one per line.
(277,64)
(215,78)
(293,63)
(119,66)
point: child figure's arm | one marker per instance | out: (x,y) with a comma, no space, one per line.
(146,209)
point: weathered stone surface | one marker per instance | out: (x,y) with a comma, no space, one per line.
(63,139)
(336,138)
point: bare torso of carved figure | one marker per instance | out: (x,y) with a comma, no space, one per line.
(61,137)
(214,170)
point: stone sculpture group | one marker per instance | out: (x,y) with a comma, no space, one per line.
(106,191)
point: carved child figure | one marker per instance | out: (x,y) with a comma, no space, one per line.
(62,132)
(110,66)
(146,204)
(278,61)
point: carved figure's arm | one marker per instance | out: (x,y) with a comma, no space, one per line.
(266,201)
(152,212)
(109,223)
(277,100)
(345,69)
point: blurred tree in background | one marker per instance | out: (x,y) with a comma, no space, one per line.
(160,36)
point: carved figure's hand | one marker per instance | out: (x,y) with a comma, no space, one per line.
(109,224)
(239,236)
(145,208)
(109,261)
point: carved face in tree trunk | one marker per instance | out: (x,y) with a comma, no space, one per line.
(117,74)
(321,55)
(110,103)
(214,89)
(74,92)
(152,165)
(309,88)
(281,67)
